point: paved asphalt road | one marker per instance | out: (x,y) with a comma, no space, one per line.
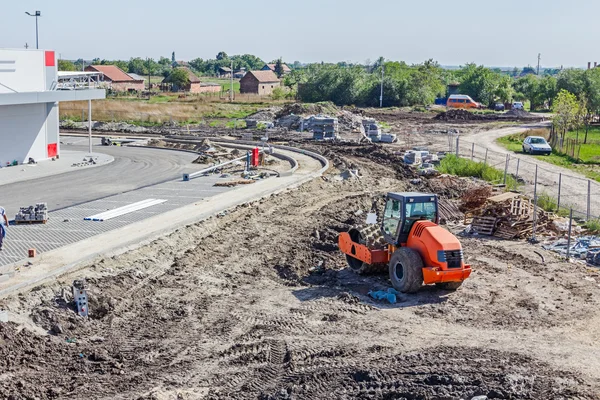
(133,168)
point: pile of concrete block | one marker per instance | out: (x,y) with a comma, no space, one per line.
(38,213)
(323,127)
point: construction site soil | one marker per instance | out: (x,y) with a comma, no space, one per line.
(258,303)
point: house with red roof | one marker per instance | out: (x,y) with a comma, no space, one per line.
(118,80)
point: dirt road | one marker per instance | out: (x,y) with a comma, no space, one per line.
(574,186)
(258,304)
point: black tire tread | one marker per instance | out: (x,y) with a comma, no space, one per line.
(413,270)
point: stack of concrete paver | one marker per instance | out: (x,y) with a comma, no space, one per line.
(323,127)
(37,213)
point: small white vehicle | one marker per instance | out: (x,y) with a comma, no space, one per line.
(536,145)
(518,105)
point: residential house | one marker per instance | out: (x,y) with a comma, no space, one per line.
(118,80)
(224,72)
(271,67)
(259,82)
(195,85)
(240,74)
(137,77)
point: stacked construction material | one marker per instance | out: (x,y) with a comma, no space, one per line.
(32,214)
(510,216)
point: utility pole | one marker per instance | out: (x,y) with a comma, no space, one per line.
(539,58)
(148,61)
(26,46)
(381,95)
(231,94)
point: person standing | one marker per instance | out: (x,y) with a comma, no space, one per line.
(3,225)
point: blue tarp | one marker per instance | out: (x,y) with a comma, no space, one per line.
(390,295)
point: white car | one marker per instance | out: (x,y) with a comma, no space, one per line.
(517,105)
(536,145)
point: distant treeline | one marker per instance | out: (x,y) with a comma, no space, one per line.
(403,84)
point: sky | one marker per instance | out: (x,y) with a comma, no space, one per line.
(504,33)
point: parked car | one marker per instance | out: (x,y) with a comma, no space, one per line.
(518,105)
(498,107)
(461,101)
(536,145)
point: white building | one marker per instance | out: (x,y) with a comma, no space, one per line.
(29,95)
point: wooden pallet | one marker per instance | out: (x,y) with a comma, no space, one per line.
(484,225)
(521,207)
(31,222)
(506,232)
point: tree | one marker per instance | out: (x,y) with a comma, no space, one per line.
(279,68)
(529,70)
(529,87)
(565,108)
(173,58)
(179,78)
(504,90)
(137,66)
(65,65)
(479,82)
(292,79)
(222,56)
(571,80)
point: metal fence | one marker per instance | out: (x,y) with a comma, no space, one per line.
(541,181)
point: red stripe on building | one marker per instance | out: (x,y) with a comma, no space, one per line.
(50,59)
(52,150)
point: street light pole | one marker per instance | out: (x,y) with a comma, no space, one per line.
(36,15)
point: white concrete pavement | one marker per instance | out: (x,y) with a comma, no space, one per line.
(44,169)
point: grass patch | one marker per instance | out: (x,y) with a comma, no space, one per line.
(593,225)
(462,167)
(590,152)
(161,99)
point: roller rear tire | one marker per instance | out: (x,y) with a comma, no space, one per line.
(371,237)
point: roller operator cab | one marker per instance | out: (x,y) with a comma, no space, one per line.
(415,248)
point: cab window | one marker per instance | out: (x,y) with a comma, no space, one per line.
(418,212)
(392,217)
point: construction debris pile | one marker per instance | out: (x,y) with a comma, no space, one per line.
(510,216)
(457,115)
(585,247)
(87,161)
(292,116)
(37,213)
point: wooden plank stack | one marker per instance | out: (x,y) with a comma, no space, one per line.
(509,216)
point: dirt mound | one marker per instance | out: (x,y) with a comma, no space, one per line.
(307,109)
(267,114)
(457,115)
(515,113)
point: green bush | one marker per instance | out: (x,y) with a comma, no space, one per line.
(453,165)
(278,94)
(593,225)
(547,202)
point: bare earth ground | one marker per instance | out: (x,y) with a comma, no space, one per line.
(258,304)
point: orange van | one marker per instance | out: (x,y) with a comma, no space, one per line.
(461,101)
